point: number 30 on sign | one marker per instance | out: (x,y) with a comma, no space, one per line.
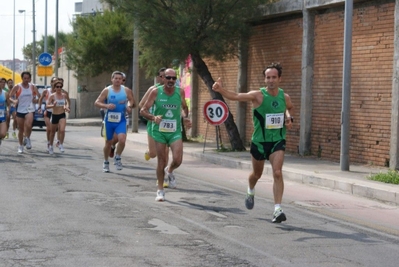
(216,112)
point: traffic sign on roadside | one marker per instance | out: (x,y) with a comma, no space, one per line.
(44,70)
(216,112)
(45,59)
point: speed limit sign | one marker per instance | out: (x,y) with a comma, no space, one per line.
(216,112)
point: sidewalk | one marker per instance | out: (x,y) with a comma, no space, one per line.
(306,170)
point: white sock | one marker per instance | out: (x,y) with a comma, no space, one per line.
(277,206)
(251,191)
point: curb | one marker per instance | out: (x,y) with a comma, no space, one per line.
(368,189)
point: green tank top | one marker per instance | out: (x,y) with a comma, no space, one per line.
(170,108)
(268,118)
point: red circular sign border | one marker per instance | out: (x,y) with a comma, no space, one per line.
(224,106)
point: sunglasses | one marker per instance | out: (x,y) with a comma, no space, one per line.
(58,87)
(171,78)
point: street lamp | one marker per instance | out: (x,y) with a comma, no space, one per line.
(23,11)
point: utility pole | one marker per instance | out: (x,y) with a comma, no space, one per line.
(56,39)
(346,87)
(13,49)
(45,38)
(34,45)
(135,85)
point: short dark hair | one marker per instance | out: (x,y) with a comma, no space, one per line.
(27,73)
(276,66)
(3,79)
(161,70)
(10,80)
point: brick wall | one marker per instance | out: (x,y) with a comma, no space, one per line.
(228,72)
(280,40)
(371,87)
(267,45)
(270,43)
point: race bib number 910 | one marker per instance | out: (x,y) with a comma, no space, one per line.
(274,121)
(167,126)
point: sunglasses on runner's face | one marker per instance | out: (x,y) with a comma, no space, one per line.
(170,78)
(58,87)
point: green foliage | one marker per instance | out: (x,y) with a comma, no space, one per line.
(173,29)
(99,43)
(27,50)
(392,177)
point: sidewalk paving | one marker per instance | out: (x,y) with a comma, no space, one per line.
(306,170)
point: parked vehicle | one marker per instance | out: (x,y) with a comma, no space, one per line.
(38,118)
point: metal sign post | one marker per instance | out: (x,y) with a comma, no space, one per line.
(215,112)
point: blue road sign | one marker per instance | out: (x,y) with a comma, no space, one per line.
(45,59)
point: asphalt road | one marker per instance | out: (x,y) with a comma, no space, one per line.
(62,210)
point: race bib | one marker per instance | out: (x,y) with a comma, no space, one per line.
(31,108)
(167,126)
(274,121)
(114,116)
(60,103)
(2,113)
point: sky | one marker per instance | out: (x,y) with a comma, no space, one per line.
(66,11)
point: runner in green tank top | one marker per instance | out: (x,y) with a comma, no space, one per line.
(271,116)
(167,101)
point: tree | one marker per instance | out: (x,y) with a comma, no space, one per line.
(173,29)
(101,42)
(27,50)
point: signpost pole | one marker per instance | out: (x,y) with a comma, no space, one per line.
(216,112)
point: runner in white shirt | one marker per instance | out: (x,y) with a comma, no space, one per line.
(26,97)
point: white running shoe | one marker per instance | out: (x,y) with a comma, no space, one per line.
(118,164)
(106,166)
(160,196)
(170,177)
(28,143)
(50,150)
(20,149)
(61,147)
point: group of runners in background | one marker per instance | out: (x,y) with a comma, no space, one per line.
(21,101)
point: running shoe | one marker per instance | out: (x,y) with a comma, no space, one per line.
(118,164)
(50,150)
(28,144)
(106,166)
(172,180)
(6,137)
(249,201)
(160,196)
(112,152)
(61,147)
(147,155)
(14,134)
(278,216)
(20,149)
